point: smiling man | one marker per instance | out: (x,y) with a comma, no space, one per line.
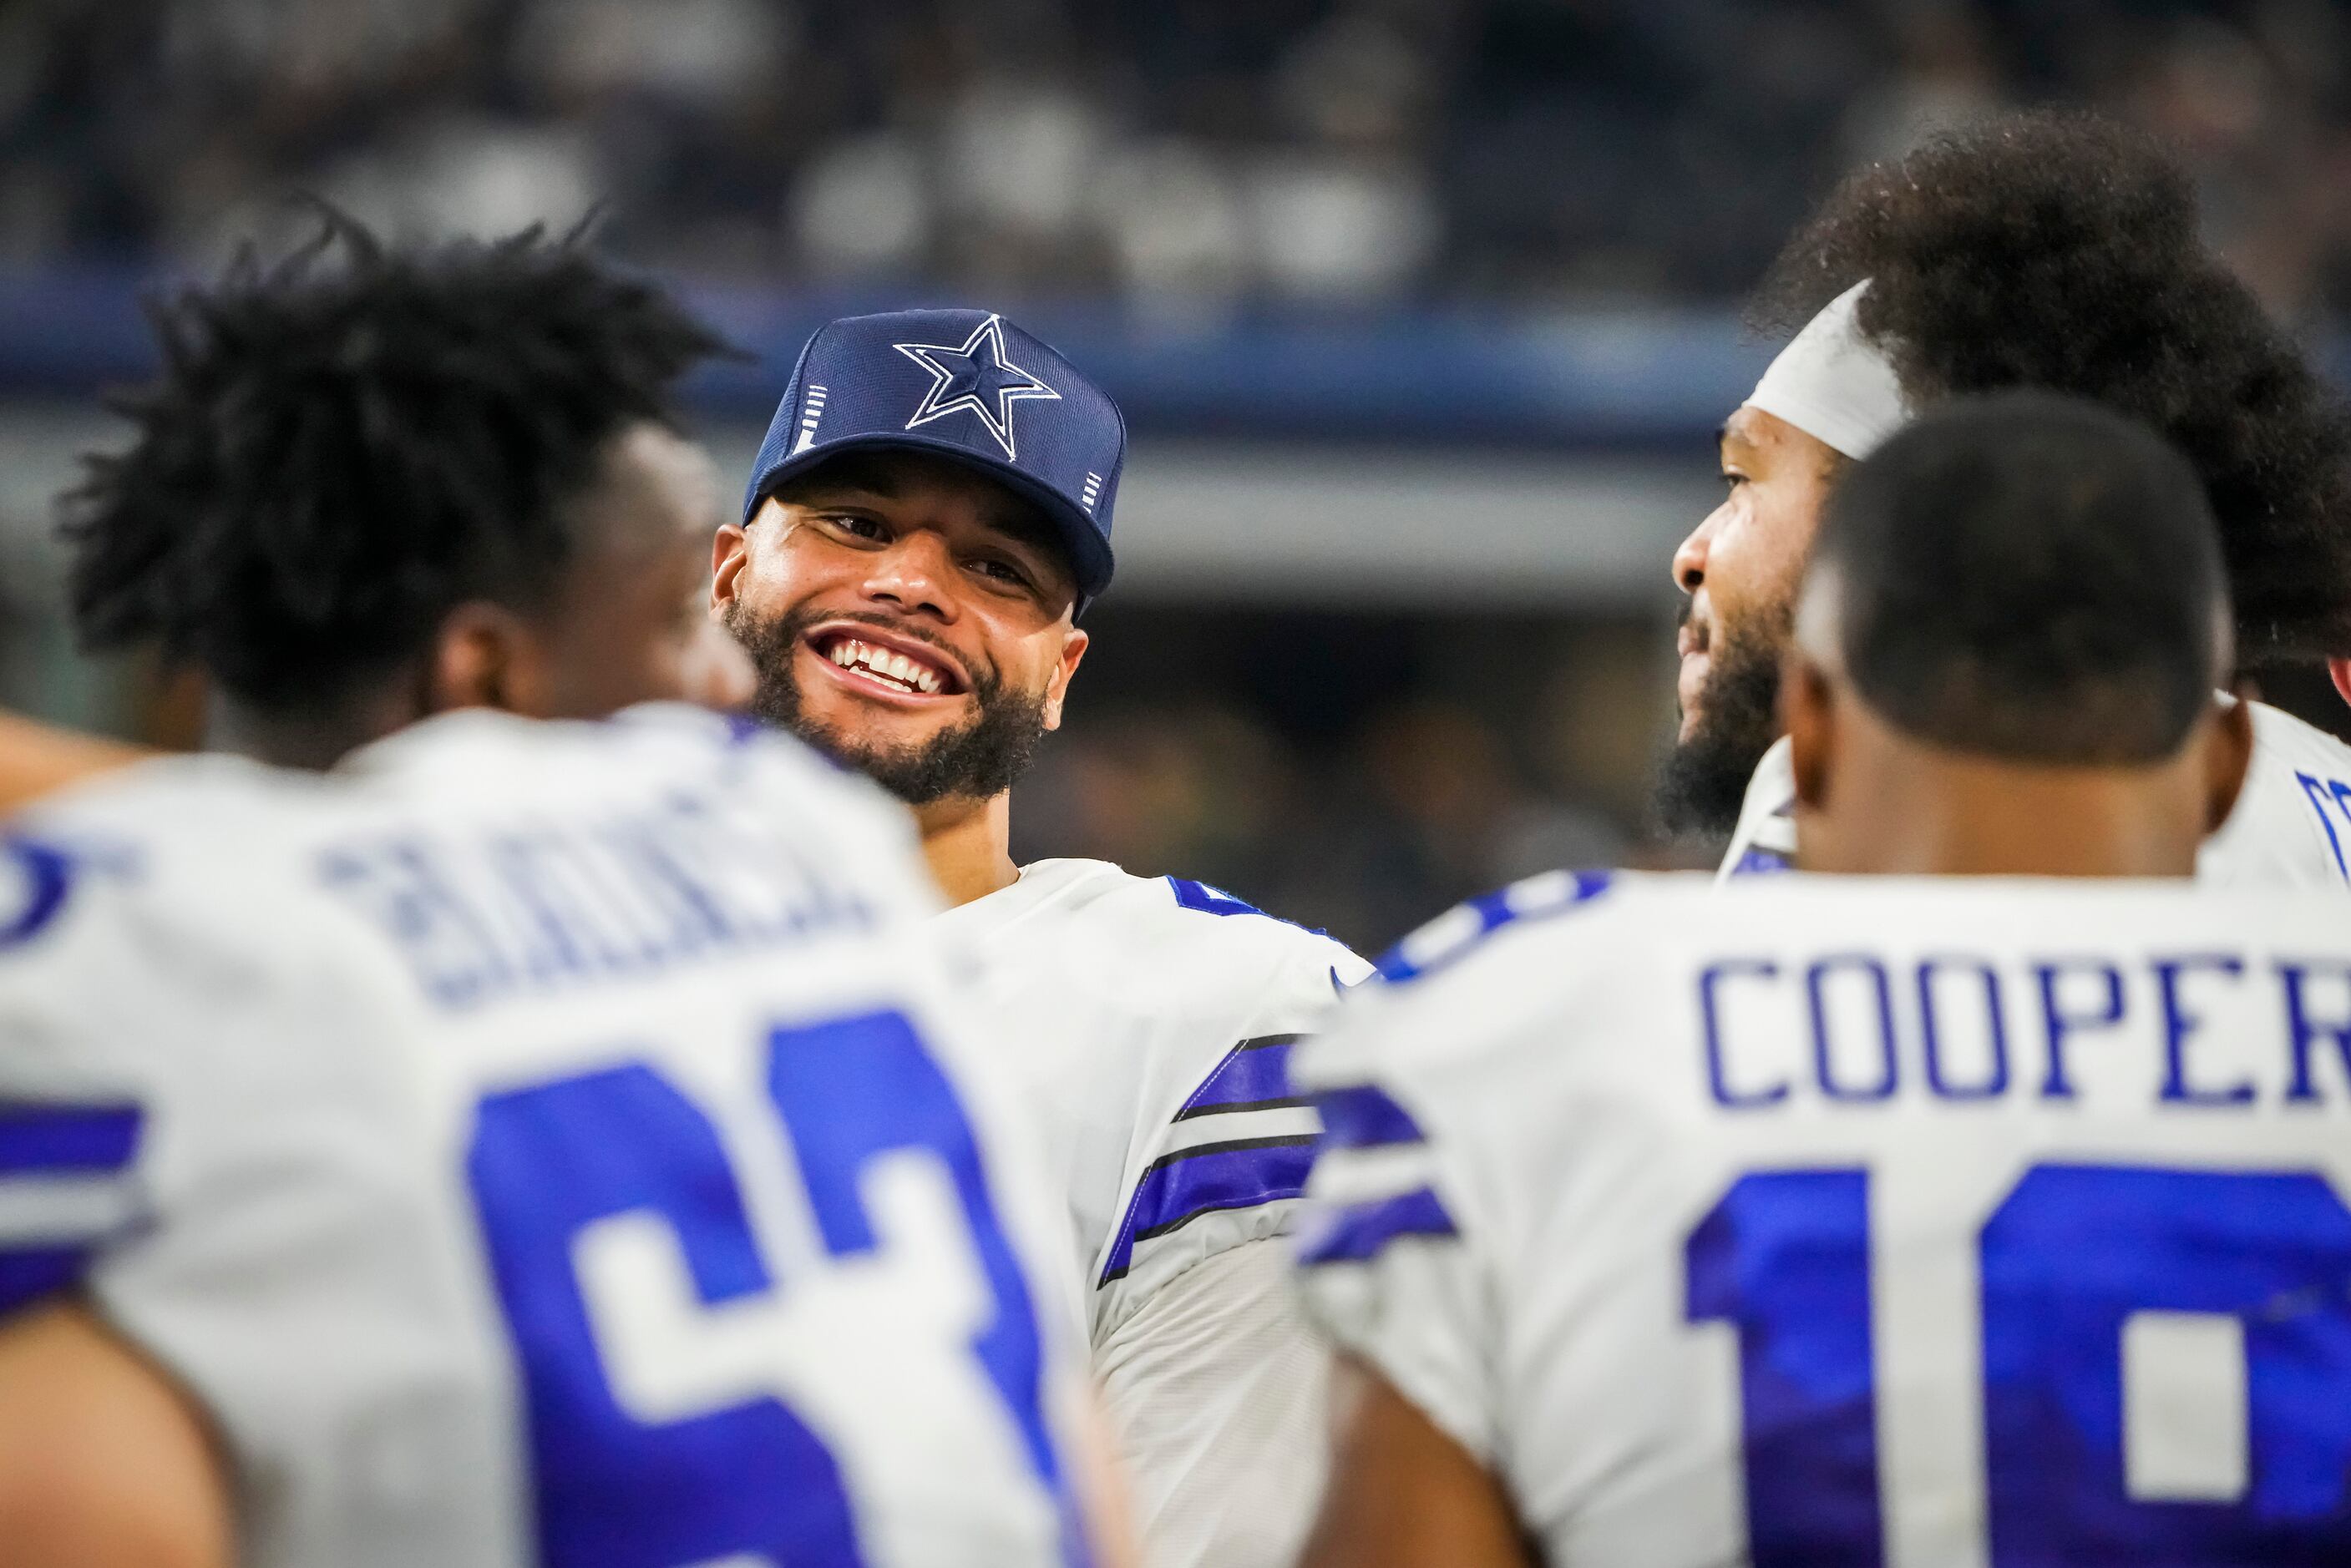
(927,519)
(1917,283)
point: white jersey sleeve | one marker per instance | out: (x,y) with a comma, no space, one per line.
(537,1144)
(1152,1021)
(1862,1220)
(2291,827)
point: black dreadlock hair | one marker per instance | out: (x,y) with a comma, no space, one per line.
(341,447)
(2060,251)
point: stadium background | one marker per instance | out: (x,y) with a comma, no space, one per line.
(1423,313)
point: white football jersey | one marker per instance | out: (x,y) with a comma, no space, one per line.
(2292,826)
(1152,1021)
(537,1145)
(1932,1224)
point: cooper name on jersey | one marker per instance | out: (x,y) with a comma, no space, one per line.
(1860,1029)
(490,914)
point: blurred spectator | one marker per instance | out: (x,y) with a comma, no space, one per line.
(1194,154)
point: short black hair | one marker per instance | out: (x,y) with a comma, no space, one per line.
(2060,251)
(342,446)
(2027,576)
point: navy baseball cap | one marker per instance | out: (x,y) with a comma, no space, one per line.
(966,385)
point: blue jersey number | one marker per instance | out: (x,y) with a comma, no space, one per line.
(2071,1254)
(749,1478)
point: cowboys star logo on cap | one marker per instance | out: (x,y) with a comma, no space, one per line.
(975,377)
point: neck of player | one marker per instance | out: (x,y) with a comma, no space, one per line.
(968,843)
(314,738)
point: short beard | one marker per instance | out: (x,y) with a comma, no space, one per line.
(1703,784)
(975,760)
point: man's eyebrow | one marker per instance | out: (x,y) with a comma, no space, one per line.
(1024,526)
(848,478)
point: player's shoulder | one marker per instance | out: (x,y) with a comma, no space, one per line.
(2282,735)
(2292,824)
(1516,924)
(206,835)
(1498,969)
(181,797)
(1550,937)
(1176,921)
(152,935)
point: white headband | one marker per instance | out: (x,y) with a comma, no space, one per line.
(1834,384)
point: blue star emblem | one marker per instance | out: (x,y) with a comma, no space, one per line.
(975,379)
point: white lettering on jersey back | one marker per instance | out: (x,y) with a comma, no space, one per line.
(1829,1216)
(2292,826)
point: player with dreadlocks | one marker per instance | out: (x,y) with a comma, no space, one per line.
(372,484)
(2047,251)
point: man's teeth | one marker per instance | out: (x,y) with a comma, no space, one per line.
(852,654)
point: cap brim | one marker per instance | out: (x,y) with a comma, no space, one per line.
(1089,552)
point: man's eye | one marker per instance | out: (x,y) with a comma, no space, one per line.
(1732,481)
(1003,572)
(857,526)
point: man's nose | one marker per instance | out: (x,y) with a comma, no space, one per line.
(1689,560)
(914,574)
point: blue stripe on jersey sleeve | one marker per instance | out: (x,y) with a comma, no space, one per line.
(1361,1115)
(1253,1076)
(1762,862)
(89,1139)
(48,1142)
(1209,900)
(1453,935)
(1360,1232)
(1181,1187)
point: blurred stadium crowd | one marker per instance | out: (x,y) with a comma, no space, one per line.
(1185,151)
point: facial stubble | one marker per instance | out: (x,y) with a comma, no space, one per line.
(974,760)
(1703,782)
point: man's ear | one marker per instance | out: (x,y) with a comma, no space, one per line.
(486,657)
(1808,713)
(1057,690)
(730,552)
(2228,754)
